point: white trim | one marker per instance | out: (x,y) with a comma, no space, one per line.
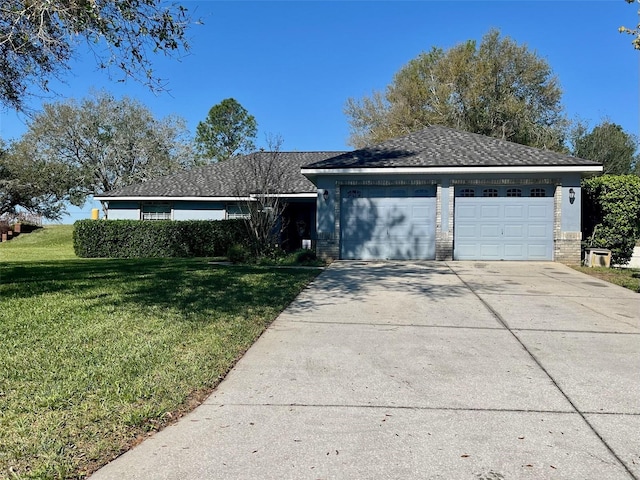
(251,197)
(285,195)
(167,199)
(451,170)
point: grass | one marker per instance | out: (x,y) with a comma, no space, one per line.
(49,243)
(625,277)
(96,353)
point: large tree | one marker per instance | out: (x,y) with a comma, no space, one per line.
(609,144)
(635,31)
(497,88)
(38,186)
(108,142)
(39,38)
(228,130)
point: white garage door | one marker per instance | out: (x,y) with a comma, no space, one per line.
(503,223)
(396,223)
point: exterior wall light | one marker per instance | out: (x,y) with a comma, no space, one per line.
(572,196)
(325,195)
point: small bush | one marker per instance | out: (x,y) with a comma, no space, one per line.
(300,257)
(238,254)
(269,254)
(305,256)
(140,239)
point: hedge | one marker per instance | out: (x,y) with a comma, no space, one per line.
(165,238)
(611,214)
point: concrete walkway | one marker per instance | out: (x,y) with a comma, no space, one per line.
(460,370)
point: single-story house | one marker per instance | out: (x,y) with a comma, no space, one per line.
(222,191)
(438,193)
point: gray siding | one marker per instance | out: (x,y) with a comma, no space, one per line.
(123,211)
(199,211)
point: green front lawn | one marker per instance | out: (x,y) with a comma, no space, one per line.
(625,277)
(97,353)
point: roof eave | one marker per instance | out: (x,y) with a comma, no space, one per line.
(453,170)
(164,198)
(160,198)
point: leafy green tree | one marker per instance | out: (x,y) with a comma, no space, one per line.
(634,32)
(611,214)
(608,144)
(38,186)
(497,88)
(39,38)
(108,143)
(228,130)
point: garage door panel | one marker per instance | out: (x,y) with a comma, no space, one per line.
(514,231)
(466,211)
(466,250)
(538,211)
(537,252)
(490,231)
(503,228)
(398,220)
(514,213)
(391,225)
(490,251)
(538,231)
(489,211)
(422,214)
(514,251)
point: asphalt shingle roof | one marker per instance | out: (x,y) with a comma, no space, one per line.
(438,146)
(435,146)
(222,179)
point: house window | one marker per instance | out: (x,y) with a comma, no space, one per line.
(155,211)
(490,192)
(238,212)
(538,192)
(514,192)
(467,192)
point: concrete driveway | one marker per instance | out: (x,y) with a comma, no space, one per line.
(459,370)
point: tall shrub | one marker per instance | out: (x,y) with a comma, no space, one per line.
(611,214)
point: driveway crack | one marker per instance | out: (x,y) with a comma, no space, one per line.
(504,323)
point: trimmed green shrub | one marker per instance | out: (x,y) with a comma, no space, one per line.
(305,256)
(238,253)
(166,238)
(611,214)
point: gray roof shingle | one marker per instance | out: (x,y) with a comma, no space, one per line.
(435,146)
(438,146)
(222,179)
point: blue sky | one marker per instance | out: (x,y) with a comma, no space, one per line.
(293,64)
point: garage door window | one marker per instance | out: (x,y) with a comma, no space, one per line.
(467,192)
(490,192)
(514,192)
(422,192)
(538,192)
